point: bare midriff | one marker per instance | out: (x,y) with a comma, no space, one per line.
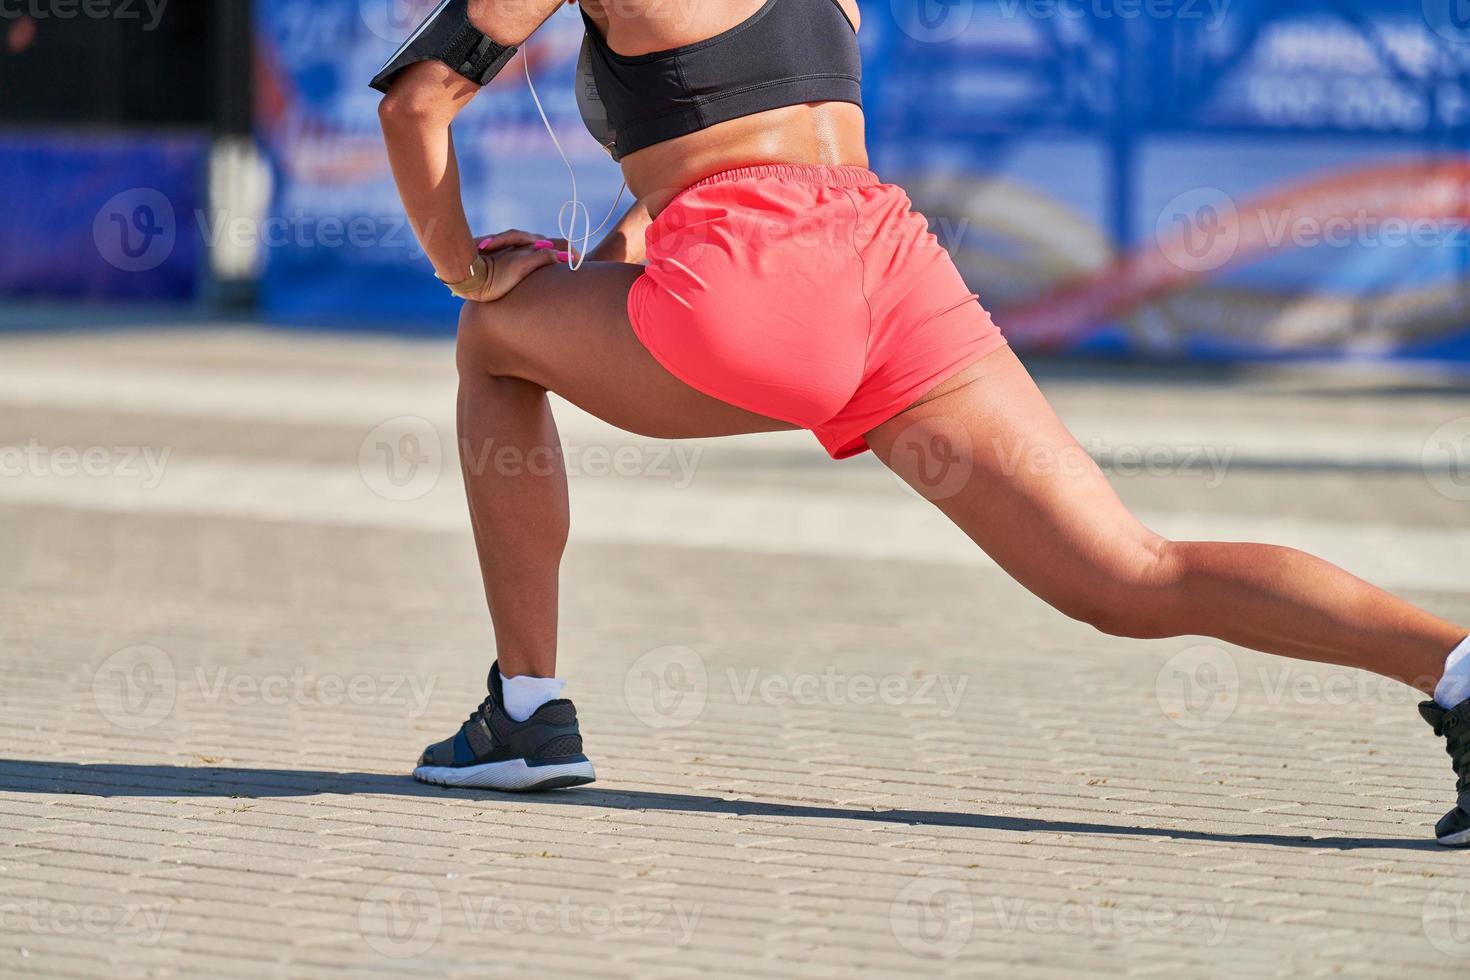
(818,133)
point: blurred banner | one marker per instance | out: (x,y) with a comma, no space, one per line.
(86,218)
(1171,178)
(1198,178)
(107,120)
(1207,178)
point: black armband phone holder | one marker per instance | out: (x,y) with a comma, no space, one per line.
(449,37)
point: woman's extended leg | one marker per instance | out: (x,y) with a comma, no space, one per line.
(564,332)
(1038,505)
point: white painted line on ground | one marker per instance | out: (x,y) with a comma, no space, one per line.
(649,511)
(364,402)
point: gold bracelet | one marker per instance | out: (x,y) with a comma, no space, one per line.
(482,273)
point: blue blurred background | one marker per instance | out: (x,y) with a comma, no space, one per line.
(1150,178)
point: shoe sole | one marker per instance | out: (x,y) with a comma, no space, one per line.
(1460,838)
(511,776)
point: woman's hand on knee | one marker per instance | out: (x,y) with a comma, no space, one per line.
(512,256)
(515,238)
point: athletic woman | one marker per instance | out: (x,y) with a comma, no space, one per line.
(765,279)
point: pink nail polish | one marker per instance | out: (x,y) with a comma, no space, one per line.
(543,243)
(563,256)
(485,244)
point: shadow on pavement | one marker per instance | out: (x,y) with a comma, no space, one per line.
(109,780)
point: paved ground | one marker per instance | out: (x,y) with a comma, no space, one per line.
(237,598)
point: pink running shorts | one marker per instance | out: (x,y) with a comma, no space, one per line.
(813,295)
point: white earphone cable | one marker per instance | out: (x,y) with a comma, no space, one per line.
(573,210)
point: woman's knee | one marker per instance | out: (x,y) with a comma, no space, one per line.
(1139,596)
(484,342)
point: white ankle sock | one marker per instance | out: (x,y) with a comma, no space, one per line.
(1454,686)
(524,694)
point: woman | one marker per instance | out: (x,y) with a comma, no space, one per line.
(764,280)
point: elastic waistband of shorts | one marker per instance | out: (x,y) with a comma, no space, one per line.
(799,172)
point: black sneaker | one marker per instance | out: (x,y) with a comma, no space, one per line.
(493,751)
(1453,830)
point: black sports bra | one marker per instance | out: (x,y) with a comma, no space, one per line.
(786,53)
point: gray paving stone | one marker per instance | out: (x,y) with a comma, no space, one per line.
(1063,825)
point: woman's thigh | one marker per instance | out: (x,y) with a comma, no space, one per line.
(568,332)
(987,449)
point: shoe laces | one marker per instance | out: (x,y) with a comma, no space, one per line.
(483,711)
